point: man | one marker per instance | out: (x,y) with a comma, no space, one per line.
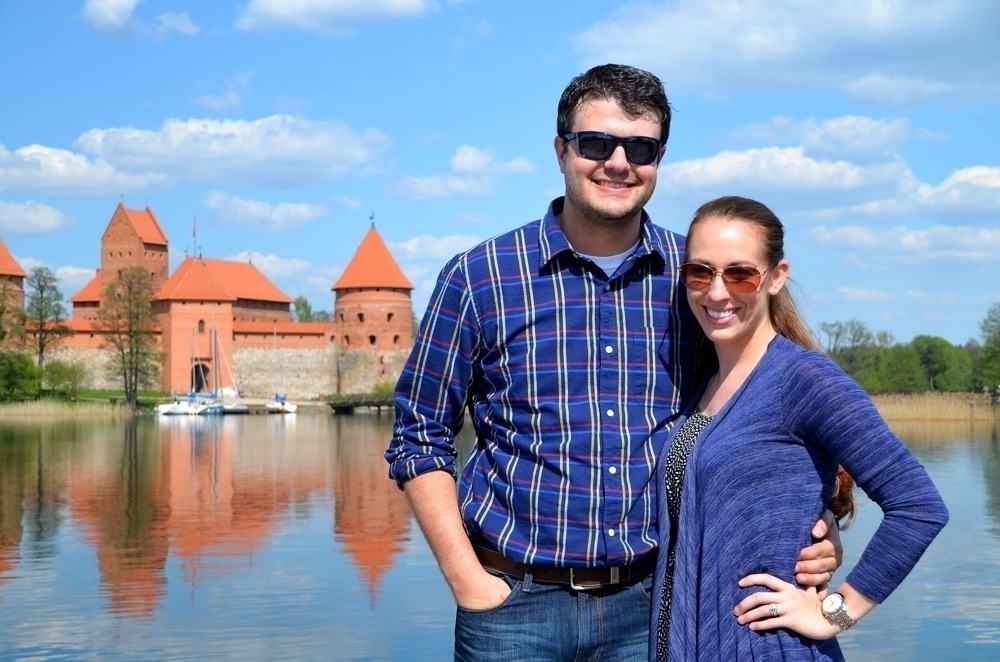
(571,345)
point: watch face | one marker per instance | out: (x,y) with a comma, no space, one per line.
(833,603)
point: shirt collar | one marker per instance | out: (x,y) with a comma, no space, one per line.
(552,241)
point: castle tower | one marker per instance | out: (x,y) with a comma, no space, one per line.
(132,238)
(11,279)
(372,306)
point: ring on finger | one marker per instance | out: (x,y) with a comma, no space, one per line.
(772,609)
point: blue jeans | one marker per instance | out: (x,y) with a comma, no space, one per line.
(549,622)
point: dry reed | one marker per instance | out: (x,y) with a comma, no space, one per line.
(53,409)
(937,406)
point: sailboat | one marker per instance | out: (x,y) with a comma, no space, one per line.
(221,400)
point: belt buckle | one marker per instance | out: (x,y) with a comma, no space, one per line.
(613,579)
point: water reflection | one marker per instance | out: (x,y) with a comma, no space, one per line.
(371,519)
(203,492)
(282,538)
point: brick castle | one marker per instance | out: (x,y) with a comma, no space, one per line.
(222,324)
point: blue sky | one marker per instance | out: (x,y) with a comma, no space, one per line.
(870,126)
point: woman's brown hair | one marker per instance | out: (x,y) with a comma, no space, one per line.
(780,307)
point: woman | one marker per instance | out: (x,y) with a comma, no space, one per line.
(754,462)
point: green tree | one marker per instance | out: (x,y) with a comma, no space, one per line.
(59,375)
(989,359)
(44,313)
(934,353)
(302,310)
(18,377)
(128,324)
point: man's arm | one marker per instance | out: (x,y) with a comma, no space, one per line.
(434,500)
(819,561)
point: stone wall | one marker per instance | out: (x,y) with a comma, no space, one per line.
(297,373)
(362,369)
(94,360)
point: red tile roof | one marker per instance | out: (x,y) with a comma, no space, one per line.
(372,266)
(207,279)
(8,265)
(145,224)
(89,292)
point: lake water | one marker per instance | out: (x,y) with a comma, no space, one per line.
(280,538)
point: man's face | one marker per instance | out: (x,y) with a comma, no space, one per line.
(611,191)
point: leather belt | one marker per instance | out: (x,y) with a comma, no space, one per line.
(579,579)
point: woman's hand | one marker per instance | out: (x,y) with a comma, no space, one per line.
(795,608)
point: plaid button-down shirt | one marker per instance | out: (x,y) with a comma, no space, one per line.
(571,378)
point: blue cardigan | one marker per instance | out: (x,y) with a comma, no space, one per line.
(758,479)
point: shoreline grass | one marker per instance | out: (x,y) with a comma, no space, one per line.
(936,406)
(62,409)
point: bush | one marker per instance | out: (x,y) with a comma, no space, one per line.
(19,377)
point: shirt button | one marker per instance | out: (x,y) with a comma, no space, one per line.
(611,532)
(613,470)
(608,349)
(611,413)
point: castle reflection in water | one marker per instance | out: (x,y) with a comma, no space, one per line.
(204,494)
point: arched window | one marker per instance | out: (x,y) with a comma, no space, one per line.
(201,326)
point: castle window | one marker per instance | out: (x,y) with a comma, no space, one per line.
(347,340)
(389,318)
(395,340)
(371,340)
(201,326)
(341,318)
(361,317)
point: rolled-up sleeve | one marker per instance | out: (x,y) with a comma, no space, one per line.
(431,394)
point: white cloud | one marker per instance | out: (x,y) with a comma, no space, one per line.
(468,159)
(231,98)
(897,51)
(277,217)
(977,186)
(324,16)
(439,186)
(848,136)
(109,15)
(279,150)
(274,266)
(785,168)
(477,172)
(179,22)
(425,246)
(37,167)
(348,203)
(935,244)
(116,17)
(226,100)
(30,217)
(864,295)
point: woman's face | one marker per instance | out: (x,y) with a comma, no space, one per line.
(731,317)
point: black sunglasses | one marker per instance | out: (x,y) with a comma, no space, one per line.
(738,280)
(598,146)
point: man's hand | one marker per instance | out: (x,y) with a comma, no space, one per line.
(480,591)
(819,561)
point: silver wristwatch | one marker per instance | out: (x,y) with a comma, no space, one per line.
(833,609)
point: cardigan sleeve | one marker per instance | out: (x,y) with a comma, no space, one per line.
(825,406)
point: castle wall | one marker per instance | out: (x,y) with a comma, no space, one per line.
(298,373)
(94,360)
(360,370)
